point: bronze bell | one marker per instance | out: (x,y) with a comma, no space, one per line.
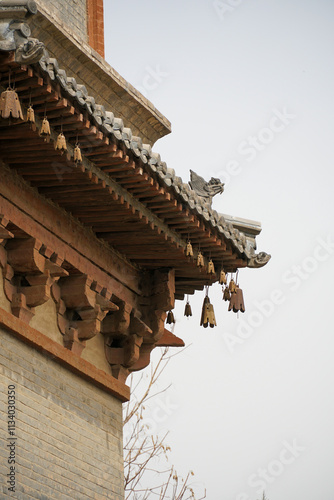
(211,267)
(200,260)
(170,318)
(206,301)
(61,143)
(10,105)
(232,286)
(45,130)
(30,115)
(187,310)
(226,294)
(77,157)
(189,250)
(208,314)
(222,278)
(211,316)
(237,301)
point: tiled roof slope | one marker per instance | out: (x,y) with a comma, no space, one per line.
(113,126)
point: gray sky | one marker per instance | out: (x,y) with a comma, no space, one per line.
(248,87)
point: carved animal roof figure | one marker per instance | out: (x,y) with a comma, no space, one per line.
(205,189)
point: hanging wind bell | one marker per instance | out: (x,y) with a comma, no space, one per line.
(211,267)
(45,130)
(10,106)
(30,115)
(204,314)
(208,314)
(77,157)
(237,298)
(187,309)
(189,250)
(200,259)
(237,301)
(61,143)
(170,318)
(226,294)
(222,278)
(232,286)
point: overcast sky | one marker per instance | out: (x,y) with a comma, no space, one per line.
(248,88)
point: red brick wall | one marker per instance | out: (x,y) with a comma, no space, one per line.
(95,25)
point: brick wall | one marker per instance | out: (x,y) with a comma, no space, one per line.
(69,433)
(96,25)
(83,18)
(72,14)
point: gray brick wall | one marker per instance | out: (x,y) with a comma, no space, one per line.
(72,15)
(69,433)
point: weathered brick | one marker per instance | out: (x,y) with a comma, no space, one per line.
(69,433)
(71,15)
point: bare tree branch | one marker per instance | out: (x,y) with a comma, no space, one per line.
(143,453)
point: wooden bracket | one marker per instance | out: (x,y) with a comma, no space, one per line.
(81,307)
(28,274)
(117,324)
(4,233)
(131,335)
(72,341)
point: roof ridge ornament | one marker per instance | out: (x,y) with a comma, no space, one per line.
(204,189)
(15,31)
(259,260)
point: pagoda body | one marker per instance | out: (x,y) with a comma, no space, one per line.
(94,231)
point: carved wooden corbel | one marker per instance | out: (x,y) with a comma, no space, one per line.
(81,308)
(127,354)
(4,233)
(116,330)
(8,275)
(124,332)
(132,350)
(20,308)
(24,257)
(163,289)
(160,300)
(144,358)
(120,372)
(131,335)
(39,289)
(117,324)
(28,275)
(72,341)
